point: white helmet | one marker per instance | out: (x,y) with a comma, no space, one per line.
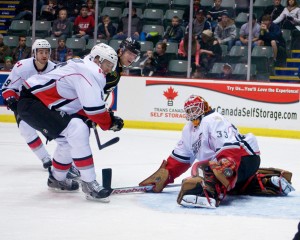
(40,43)
(104,52)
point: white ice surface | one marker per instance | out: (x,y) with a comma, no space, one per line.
(29,211)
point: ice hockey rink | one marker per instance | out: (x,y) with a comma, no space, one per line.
(29,211)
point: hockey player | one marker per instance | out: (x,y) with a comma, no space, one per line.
(38,64)
(59,104)
(227,161)
(128,53)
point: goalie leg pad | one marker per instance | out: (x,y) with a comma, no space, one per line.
(276,172)
(190,186)
(225,171)
(270,181)
(198,202)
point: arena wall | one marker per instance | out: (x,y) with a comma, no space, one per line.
(265,109)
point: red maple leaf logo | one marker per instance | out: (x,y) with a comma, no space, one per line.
(170,94)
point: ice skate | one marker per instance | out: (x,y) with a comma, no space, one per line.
(283,184)
(46,162)
(95,192)
(67,185)
(73,174)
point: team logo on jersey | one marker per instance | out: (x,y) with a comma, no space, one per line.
(197,144)
(170,94)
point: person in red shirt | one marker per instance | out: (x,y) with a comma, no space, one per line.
(84,24)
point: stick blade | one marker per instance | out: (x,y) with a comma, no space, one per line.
(110,142)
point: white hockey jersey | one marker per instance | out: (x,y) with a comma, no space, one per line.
(75,86)
(213,133)
(21,71)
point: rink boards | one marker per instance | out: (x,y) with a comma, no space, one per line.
(267,109)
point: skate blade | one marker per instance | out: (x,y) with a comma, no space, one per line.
(193,201)
(57,190)
(103,200)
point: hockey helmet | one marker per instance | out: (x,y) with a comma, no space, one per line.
(40,43)
(132,46)
(104,52)
(195,108)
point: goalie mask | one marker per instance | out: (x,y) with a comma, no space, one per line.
(104,52)
(195,108)
(132,46)
(40,43)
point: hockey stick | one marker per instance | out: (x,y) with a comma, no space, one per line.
(138,189)
(106,182)
(104,145)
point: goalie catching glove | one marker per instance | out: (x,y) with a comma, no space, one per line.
(167,172)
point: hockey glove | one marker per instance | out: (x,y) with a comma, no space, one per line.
(117,123)
(167,172)
(12,103)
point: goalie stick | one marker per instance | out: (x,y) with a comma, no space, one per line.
(106,182)
(104,145)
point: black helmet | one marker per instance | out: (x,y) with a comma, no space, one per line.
(131,45)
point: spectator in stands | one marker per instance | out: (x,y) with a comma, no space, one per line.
(270,35)
(225,31)
(226,71)
(195,51)
(106,29)
(210,51)
(84,24)
(73,8)
(174,32)
(214,14)
(290,16)
(8,64)
(200,24)
(160,59)
(48,12)
(244,33)
(4,50)
(146,64)
(274,10)
(24,10)
(62,27)
(136,27)
(91,8)
(21,51)
(196,7)
(61,53)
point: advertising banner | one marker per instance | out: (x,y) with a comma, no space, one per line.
(246,104)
